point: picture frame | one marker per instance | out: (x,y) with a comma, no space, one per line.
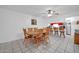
(33,22)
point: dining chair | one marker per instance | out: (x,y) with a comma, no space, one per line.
(30,29)
(35,29)
(37,38)
(27,37)
(46,34)
(25,34)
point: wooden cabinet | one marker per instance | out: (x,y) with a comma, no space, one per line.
(76,38)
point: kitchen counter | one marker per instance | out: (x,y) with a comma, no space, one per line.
(77,31)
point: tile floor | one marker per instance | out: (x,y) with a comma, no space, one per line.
(56,45)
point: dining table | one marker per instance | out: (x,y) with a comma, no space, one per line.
(37,35)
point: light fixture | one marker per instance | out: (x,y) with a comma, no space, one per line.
(55,25)
(50,13)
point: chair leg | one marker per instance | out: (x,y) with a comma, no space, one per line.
(60,34)
(36,43)
(46,39)
(63,34)
(26,42)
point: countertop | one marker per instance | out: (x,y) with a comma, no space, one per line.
(77,31)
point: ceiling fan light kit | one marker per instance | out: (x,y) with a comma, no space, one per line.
(49,15)
(52,13)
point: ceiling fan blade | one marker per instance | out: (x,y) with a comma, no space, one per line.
(43,13)
(56,13)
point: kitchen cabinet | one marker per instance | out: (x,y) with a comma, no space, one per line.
(76,38)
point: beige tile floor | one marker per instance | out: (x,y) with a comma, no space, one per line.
(56,45)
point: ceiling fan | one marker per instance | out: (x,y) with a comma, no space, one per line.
(51,13)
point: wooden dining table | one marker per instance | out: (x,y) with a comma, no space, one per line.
(36,36)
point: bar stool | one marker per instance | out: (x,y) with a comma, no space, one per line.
(55,30)
(62,31)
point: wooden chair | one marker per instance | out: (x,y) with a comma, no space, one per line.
(46,34)
(37,38)
(30,29)
(35,29)
(27,37)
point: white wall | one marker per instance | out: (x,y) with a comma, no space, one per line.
(57,19)
(12,23)
(73,21)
